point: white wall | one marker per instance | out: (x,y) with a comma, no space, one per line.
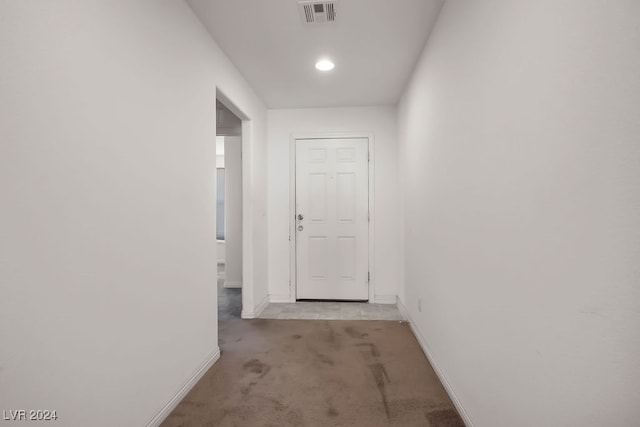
(381,121)
(521,164)
(233,211)
(107,225)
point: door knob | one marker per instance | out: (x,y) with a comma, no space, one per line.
(300,217)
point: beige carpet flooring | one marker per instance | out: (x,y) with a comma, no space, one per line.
(316,373)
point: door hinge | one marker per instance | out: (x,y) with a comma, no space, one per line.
(368,156)
(369,276)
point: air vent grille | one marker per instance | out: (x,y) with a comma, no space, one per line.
(308,13)
(317,12)
(331,12)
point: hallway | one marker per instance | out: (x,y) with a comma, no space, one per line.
(475,164)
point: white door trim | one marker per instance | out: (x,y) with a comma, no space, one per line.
(248,306)
(292,202)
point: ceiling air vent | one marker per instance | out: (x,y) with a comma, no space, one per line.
(317,12)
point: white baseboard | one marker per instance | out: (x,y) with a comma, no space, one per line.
(252,314)
(232,284)
(434,363)
(385,299)
(177,398)
(279,299)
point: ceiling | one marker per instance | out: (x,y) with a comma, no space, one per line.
(374,44)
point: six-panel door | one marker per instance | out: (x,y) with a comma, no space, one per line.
(332,219)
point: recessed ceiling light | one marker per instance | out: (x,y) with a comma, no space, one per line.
(324,65)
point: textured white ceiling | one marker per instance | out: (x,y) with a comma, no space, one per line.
(374,44)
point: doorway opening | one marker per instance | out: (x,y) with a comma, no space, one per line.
(230,208)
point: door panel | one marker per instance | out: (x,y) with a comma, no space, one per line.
(346,198)
(318,197)
(318,258)
(332,219)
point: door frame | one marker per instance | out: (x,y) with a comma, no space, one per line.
(292,202)
(247,217)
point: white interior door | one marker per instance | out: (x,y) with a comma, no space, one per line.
(332,219)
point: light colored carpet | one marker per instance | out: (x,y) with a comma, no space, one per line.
(317,373)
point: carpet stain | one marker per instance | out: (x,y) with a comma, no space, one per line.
(331,410)
(354,333)
(370,353)
(444,418)
(372,349)
(296,336)
(278,406)
(257,367)
(380,375)
(246,390)
(274,379)
(322,358)
(331,334)
(331,338)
